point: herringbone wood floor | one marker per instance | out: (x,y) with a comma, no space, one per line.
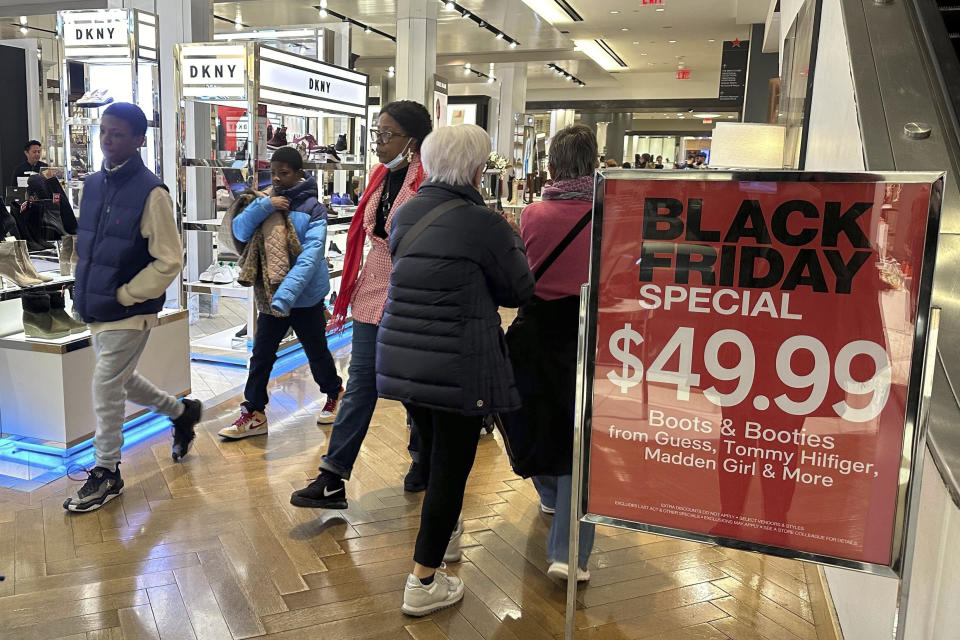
(211,549)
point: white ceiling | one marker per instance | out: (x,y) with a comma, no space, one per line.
(698,29)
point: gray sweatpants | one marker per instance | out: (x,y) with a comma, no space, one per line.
(115,379)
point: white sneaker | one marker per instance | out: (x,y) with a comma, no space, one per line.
(246,425)
(207,275)
(453,553)
(223,275)
(547,510)
(561,571)
(420,600)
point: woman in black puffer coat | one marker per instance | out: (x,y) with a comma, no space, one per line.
(440,349)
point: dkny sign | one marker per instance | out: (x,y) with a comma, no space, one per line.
(203,70)
(103,28)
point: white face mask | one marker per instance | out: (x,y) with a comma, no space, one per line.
(396,162)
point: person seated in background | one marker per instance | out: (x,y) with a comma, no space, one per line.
(440,346)
(291,292)
(626,165)
(659,163)
(611,163)
(543,339)
(33,164)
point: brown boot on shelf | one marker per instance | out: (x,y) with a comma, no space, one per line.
(68,253)
(58,309)
(37,321)
(11,269)
(23,256)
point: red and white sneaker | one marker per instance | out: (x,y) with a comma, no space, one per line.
(250,423)
(329,412)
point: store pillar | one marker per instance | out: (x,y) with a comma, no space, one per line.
(416,49)
(185,21)
(513,101)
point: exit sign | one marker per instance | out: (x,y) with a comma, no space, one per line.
(683,74)
(652,1)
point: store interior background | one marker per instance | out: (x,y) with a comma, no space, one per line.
(643,102)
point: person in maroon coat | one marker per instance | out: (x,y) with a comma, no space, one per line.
(550,358)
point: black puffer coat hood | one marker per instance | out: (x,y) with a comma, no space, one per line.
(440,344)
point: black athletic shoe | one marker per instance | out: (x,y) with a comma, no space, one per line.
(416,479)
(101,487)
(326,492)
(183,433)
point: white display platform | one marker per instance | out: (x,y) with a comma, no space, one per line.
(45,385)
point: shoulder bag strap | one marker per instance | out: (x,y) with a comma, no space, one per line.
(425,222)
(560,248)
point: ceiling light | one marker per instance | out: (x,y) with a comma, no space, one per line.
(706,115)
(614,12)
(661,10)
(490,80)
(451,6)
(554,11)
(467,66)
(624,29)
(672,41)
(513,44)
(643,54)
(24,30)
(499,36)
(23,19)
(391,69)
(323,13)
(680,117)
(711,40)
(237,26)
(465,14)
(602,56)
(636,42)
(731,117)
(367,30)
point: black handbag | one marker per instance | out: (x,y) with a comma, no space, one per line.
(543,353)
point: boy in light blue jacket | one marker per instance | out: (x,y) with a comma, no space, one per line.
(299,300)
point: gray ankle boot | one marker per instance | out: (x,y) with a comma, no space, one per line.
(11,269)
(68,255)
(23,256)
(58,309)
(37,321)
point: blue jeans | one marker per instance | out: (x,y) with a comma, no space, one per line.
(357,405)
(555,492)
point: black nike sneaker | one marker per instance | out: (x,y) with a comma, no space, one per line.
(101,487)
(183,428)
(326,492)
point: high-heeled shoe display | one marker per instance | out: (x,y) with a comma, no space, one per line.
(23,257)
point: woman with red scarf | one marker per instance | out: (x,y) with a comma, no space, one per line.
(400,130)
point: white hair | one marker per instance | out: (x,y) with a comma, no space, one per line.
(455,154)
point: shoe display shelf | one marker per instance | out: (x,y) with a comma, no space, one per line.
(249,87)
(117,51)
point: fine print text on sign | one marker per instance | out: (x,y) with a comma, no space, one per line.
(754,343)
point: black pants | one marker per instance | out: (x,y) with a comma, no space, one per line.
(449,442)
(309,323)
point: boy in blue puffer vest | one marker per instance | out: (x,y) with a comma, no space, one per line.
(298,302)
(129,252)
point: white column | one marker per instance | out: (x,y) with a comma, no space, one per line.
(416,49)
(513,101)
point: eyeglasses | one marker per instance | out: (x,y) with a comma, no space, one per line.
(384,137)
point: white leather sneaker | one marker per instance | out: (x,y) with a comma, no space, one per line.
(420,600)
(453,553)
(561,571)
